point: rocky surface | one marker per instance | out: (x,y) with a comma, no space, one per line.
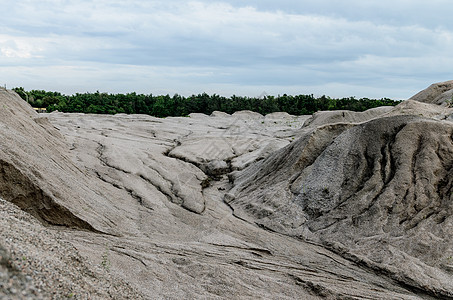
(37,263)
(339,205)
(438,93)
(379,192)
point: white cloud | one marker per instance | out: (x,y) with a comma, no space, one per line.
(227,44)
(11,48)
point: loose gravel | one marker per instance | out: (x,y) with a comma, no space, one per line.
(36,263)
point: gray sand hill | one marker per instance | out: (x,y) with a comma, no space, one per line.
(339,205)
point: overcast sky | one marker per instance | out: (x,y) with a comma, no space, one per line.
(342,48)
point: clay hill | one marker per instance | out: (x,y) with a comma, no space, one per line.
(338,205)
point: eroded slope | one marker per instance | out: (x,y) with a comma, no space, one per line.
(150,192)
(378,192)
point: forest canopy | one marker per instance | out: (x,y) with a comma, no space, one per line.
(177,105)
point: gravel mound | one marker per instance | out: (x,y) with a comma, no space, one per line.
(244,206)
(440,93)
(378,192)
(38,263)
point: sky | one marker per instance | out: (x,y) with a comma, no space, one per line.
(345,48)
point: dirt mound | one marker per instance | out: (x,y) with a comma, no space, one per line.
(37,174)
(128,206)
(437,93)
(31,149)
(378,192)
(345,116)
(41,264)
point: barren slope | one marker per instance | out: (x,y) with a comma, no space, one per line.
(377,192)
(437,93)
(141,200)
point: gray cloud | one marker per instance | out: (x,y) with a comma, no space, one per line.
(244,46)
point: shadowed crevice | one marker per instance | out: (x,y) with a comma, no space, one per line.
(19,189)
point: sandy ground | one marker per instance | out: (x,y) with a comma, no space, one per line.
(125,207)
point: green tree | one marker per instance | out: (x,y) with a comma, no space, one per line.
(164,105)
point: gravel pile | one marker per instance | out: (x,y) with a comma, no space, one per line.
(36,263)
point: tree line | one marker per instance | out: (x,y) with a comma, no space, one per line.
(177,105)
